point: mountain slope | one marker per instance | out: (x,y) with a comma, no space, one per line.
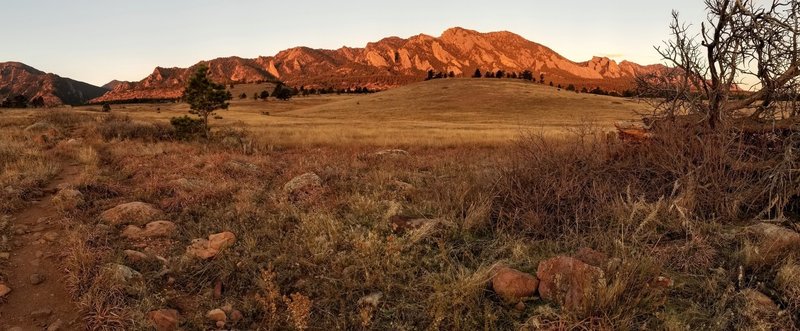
(393,62)
(20,79)
(168,83)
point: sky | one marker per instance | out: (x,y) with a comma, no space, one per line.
(99,40)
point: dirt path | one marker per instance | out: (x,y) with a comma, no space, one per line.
(39,299)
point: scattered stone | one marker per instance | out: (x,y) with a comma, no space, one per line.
(157,229)
(569,282)
(137,213)
(513,285)
(41,313)
(771,242)
(37,279)
(236,315)
(221,241)
(220,324)
(391,153)
(123,275)
(303,187)
(4,290)
(520,306)
(164,319)
(206,249)
(373,299)
(591,257)
(51,236)
(135,256)
(67,199)
(242,167)
(55,326)
(5,256)
(217,315)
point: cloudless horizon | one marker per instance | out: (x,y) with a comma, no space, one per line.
(98,41)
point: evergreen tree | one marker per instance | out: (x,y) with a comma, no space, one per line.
(204,96)
(477,73)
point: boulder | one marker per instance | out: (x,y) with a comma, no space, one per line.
(217,315)
(4,290)
(570,282)
(137,213)
(157,229)
(770,243)
(303,187)
(205,249)
(221,241)
(135,256)
(67,199)
(591,257)
(164,319)
(513,285)
(758,311)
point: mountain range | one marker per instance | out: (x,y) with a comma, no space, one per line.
(388,63)
(20,79)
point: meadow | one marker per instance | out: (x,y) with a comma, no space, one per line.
(398,210)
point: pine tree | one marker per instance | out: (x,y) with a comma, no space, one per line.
(204,96)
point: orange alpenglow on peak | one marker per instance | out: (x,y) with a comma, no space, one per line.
(393,62)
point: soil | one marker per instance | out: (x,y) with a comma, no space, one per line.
(36,253)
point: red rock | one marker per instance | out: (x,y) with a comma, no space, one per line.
(513,285)
(569,282)
(591,257)
(137,213)
(221,241)
(4,290)
(217,315)
(164,319)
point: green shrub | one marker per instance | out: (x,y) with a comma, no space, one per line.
(187,128)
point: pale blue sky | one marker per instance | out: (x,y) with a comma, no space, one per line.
(100,40)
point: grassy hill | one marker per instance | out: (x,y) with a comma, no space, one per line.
(450,111)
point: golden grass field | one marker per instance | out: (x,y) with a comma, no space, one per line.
(494,173)
(438,112)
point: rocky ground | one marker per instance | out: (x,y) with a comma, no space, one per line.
(141,233)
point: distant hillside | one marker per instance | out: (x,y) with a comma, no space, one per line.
(393,62)
(20,79)
(113,84)
(168,83)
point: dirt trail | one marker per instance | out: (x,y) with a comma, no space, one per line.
(36,251)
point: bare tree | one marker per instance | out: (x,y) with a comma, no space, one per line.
(741,44)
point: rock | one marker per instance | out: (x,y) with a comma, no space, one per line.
(4,290)
(164,319)
(123,275)
(569,282)
(770,243)
(220,324)
(513,285)
(303,187)
(41,313)
(206,249)
(5,256)
(157,229)
(757,309)
(391,153)
(221,241)
(37,279)
(591,257)
(135,256)
(67,200)
(136,213)
(241,167)
(373,299)
(217,315)
(236,315)
(51,236)
(55,326)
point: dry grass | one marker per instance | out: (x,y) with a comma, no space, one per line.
(453,112)
(671,208)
